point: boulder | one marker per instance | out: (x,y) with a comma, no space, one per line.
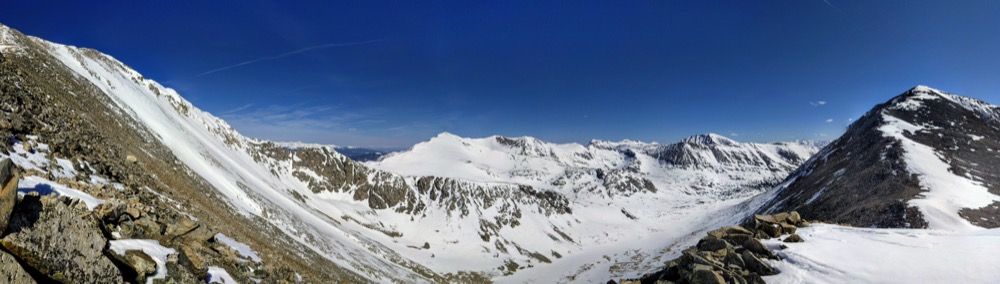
(189,257)
(11,271)
(59,238)
(758,248)
(794,238)
(764,219)
(131,159)
(183,226)
(178,273)
(200,234)
(794,217)
(772,230)
(788,228)
(711,243)
(703,274)
(755,265)
(734,235)
(8,191)
(726,232)
(780,217)
(139,262)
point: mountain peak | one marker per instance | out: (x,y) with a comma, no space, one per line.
(924,88)
(709,139)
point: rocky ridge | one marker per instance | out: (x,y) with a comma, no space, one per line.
(731,254)
(886,170)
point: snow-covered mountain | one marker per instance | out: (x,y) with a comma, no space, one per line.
(710,164)
(924,159)
(450,209)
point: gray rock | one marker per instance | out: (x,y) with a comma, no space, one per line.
(755,265)
(794,217)
(794,238)
(183,226)
(702,274)
(772,230)
(8,191)
(758,248)
(139,262)
(11,271)
(788,228)
(711,243)
(59,238)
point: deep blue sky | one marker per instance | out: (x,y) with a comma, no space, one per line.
(393,73)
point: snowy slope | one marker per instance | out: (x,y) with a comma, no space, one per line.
(925,158)
(218,153)
(838,254)
(945,192)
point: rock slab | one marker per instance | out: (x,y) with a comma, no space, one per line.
(59,238)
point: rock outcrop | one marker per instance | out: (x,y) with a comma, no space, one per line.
(58,237)
(8,191)
(729,254)
(12,272)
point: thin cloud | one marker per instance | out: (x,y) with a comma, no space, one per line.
(817,103)
(829,120)
(287,54)
(246,106)
(844,14)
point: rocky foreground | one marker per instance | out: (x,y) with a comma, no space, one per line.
(729,254)
(58,239)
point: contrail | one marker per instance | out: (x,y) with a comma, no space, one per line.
(290,53)
(844,14)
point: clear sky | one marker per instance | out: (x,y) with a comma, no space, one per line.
(373,73)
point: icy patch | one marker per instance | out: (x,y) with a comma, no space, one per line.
(945,193)
(150,247)
(836,254)
(241,248)
(219,275)
(44,186)
(975,137)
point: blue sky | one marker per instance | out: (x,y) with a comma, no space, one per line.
(374,73)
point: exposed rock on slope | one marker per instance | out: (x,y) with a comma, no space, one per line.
(730,254)
(59,238)
(69,137)
(923,159)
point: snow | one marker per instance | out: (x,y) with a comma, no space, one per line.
(44,186)
(212,149)
(241,248)
(837,254)
(152,248)
(7,39)
(338,227)
(945,193)
(219,275)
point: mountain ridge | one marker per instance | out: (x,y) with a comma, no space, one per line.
(935,136)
